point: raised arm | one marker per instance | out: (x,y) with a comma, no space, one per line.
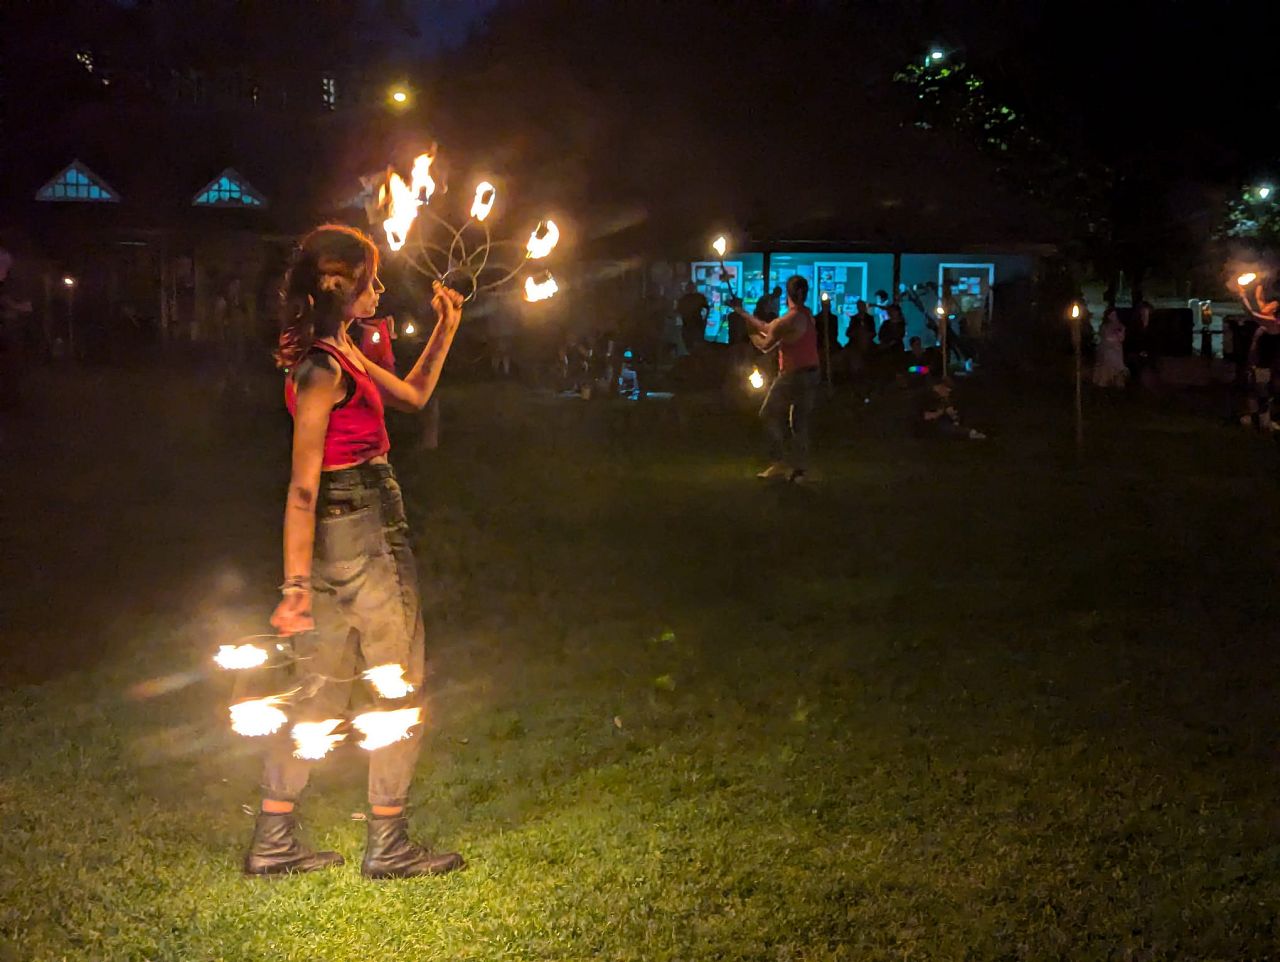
(414,391)
(319,385)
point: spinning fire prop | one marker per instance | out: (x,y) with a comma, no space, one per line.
(473,261)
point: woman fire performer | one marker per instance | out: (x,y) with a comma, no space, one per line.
(350,593)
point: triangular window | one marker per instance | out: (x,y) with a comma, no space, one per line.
(77,182)
(229,189)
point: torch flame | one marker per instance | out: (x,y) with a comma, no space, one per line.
(720,246)
(259,716)
(405,199)
(543,239)
(1075,312)
(756,378)
(388,681)
(236,657)
(486,194)
(314,740)
(1244,280)
(540,290)
(383,728)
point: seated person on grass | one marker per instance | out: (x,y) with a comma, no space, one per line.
(935,414)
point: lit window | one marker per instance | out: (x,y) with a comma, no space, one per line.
(228,189)
(77,182)
(330,86)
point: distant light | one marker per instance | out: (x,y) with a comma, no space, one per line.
(936,55)
(918,369)
(1075,312)
(400,95)
(756,379)
(1264,191)
(68,281)
(720,246)
(1244,280)
(409,329)
(377,337)
(627,354)
(825,297)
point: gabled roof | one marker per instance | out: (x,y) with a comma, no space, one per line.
(78,183)
(229,189)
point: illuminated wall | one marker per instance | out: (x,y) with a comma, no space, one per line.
(846,278)
(746,280)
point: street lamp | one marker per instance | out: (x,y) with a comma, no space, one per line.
(1076,314)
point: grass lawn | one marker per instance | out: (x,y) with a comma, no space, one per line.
(954,701)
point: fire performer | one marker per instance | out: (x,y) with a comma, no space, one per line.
(351,588)
(788,405)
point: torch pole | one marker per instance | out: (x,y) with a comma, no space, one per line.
(1077,339)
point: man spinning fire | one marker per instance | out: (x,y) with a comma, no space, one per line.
(789,404)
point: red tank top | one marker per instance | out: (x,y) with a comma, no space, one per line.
(358,426)
(800,353)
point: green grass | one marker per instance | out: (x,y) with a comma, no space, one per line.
(954,702)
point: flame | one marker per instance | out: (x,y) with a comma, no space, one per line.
(409,328)
(756,378)
(388,681)
(1244,280)
(940,310)
(825,297)
(540,290)
(235,657)
(257,717)
(405,199)
(543,239)
(383,728)
(720,246)
(377,337)
(1075,312)
(486,194)
(314,740)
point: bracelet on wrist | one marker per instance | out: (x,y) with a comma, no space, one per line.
(296,585)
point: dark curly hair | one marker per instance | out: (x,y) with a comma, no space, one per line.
(329,269)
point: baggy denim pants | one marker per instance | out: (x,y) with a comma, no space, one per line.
(367,613)
(786,413)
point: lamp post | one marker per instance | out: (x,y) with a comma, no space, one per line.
(69,285)
(1076,315)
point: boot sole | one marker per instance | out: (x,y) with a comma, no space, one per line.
(284,872)
(388,876)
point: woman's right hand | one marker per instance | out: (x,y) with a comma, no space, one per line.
(293,615)
(446,302)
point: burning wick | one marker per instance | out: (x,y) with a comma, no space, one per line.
(257,717)
(388,681)
(1244,280)
(756,378)
(383,728)
(1075,312)
(405,200)
(486,193)
(720,246)
(236,657)
(543,240)
(314,740)
(540,290)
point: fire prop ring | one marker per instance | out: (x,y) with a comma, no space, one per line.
(397,205)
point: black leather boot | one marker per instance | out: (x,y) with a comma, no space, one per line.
(276,849)
(390,854)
